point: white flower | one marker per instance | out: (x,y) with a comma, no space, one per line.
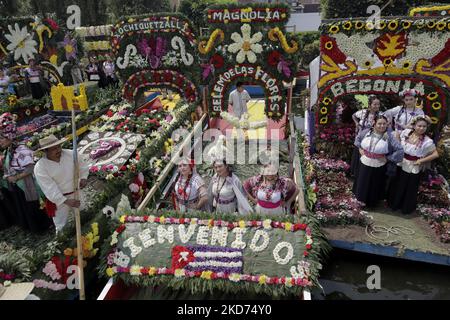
(121,259)
(108,211)
(134,188)
(235,277)
(267,224)
(21,43)
(246,44)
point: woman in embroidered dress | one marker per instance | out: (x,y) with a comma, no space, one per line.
(225,192)
(271,193)
(364,119)
(35,81)
(377,146)
(401,116)
(190,191)
(18,166)
(420,150)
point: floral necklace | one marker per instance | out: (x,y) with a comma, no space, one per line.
(270,190)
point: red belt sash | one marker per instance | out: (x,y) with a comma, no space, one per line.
(372,155)
(410,157)
(268,204)
(50,207)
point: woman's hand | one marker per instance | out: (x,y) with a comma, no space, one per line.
(418,162)
(361,151)
(12,179)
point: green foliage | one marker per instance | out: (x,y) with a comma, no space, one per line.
(333,9)
(195,10)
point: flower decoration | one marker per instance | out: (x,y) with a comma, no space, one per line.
(441,25)
(217,61)
(432,96)
(406,64)
(274,58)
(359,25)
(393,25)
(431,24)
(347,25)
(246,46)
(334,29)
(52,23)
(406,24)
(70,47)
(21,43)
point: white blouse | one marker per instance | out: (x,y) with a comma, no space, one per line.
(401,118)
(275,197)
(225,189)
(192,189)
(374,143)
(422,150)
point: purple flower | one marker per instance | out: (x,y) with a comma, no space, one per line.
(70,46)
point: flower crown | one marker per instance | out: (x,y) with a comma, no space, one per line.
(418,118)
(409,92)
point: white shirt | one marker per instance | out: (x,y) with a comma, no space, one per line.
(365,123)
(400,119)
(374,143)
(422,150)
(56,178)
(239,101)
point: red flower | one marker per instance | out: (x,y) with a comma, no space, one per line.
(52,23)
(329,47)
(120,229)
(123,168)
(308,247)
(303,226)
(110,113)
(305,253)
(274,58)
(217,61)
(441,56)
(181,220)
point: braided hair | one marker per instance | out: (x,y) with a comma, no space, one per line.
(372,98)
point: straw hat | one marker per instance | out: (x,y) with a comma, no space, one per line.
(49,142)
(269,170)
(16,291)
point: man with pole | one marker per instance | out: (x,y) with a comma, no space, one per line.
(60,174)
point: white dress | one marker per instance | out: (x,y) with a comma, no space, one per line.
(374,143)
(224,198)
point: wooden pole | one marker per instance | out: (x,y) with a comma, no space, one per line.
(76,178)
(170,165)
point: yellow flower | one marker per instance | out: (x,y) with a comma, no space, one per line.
(288,226)
(179,273)
(270,114)
(194,221)
(406,24)
(382,25)
(206,275)
(262,279)
(368,63)
(392,25)
(152,271)
(441,25)
(288,282)
(359,24)
(431,24)
(406,65)
(110,272)
(242,224)
(436,105)
(347,25)
(267,224)
(388,62)
(329,45)
(323,110)
(162,219)
(432,96)
(326,101)
(334,29)
(151,219)
(210,222)
(135,270)
(235,277)
(122,219)
(370,25)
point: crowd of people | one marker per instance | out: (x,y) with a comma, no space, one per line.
(269,193)
(391,150)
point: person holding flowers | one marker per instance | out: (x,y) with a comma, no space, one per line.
(22,191)
(364,119)
(420,150)
(190,191)
(377,146)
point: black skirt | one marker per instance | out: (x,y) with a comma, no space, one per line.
(402,193)
(369,187)
(354,165)
(6,209)
(27,214)
(37,91)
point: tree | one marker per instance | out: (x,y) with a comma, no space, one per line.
(332,9)
(195,10)
(121,8)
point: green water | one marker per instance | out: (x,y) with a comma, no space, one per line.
(344,277)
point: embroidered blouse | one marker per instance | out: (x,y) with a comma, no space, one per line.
(284,187)
(191,191)
(374,143)
(400,116)
(419,150)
